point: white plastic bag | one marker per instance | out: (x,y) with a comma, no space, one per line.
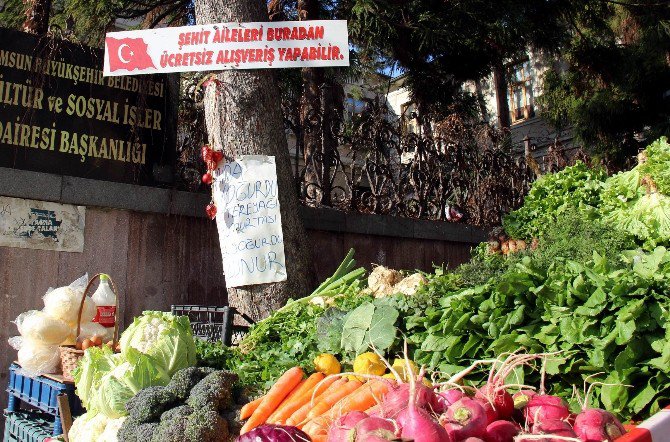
(90,329)
(63,302)
(36,358)
(40,327)
(19,320)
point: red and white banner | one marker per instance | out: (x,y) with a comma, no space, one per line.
(216,47)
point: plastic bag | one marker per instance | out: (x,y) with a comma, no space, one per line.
(40,327)
(36,358)
(90,329)
(19,319)
(63,302)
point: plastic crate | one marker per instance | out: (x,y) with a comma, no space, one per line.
(215,323)
(654,429)
(41,393)
(26,426)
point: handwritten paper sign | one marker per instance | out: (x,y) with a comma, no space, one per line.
(216,47)
(248,221)
(31,224)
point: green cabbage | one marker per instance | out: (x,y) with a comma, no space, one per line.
(120,384)
(96,362)
(168,339)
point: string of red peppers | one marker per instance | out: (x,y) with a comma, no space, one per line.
(211,158)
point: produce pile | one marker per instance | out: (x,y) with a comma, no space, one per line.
(155,347)
(585,276)
(402,404)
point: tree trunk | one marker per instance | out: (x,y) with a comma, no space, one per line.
(502,103)
(37,16)
(481,101)
(243,116)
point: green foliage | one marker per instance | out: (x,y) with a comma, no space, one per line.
(604,317)
(552,195)
(617,73)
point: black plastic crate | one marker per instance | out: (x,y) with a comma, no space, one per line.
(215,323)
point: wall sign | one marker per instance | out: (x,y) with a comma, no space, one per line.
(248,220)
(59,114)
(216,47)
(31,224)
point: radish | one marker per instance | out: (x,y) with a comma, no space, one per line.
(416,423)
(396,399)
(544,407)
(554,427)
(341,428)
(472,439)
(501,431)
(522,397)
(448,397)
(465,418)
(373,429)
(596,425)
(491,413)
(500,400)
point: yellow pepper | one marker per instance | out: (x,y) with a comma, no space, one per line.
(327,364)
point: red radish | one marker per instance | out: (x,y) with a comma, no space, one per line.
(340,429)
(373,429)
(472,439)
(501,431)
(554,427)
(416,423)
(501,400)
(448,397)
(491,413)
(522,397)
(397,398)
(544,407)
(596,425)
(207,178)
(470,415)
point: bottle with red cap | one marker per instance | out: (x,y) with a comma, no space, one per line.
(105,301)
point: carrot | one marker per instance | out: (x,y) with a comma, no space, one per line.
(299,415)
(282,388)
(329,400)
(249,408)
(319,438)
(290,396)
(360,400)
(317,428)
(295,401)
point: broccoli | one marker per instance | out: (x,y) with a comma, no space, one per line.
(173,425)
(184,380)
(148,404)
(205,425)
(233,418)
(133,431)
(214,391)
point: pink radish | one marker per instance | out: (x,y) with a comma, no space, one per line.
(448,397)
(340,429)
(467,418)
(501,401)
(373,428)
(501,431)
(491,413)
(416,423)
(472,439)
(554,427)
(522,397)
(596,425)
(544,407)
(398,397)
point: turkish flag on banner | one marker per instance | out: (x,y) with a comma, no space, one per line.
(128,54)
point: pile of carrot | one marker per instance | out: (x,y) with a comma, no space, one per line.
(311,404)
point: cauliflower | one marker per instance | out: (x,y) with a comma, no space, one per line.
(88,427)
(111,430)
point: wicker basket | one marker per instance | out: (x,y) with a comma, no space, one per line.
(69,354)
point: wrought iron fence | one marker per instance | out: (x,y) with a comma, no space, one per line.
(369,162)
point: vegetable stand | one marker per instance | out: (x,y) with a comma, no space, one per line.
(42,393)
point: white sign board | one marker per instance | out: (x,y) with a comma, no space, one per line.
(216,47)
(31,224)
(248,220)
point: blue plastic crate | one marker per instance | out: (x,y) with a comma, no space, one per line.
(26,426)
(42,393)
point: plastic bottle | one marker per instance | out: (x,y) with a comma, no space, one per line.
(105,301)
